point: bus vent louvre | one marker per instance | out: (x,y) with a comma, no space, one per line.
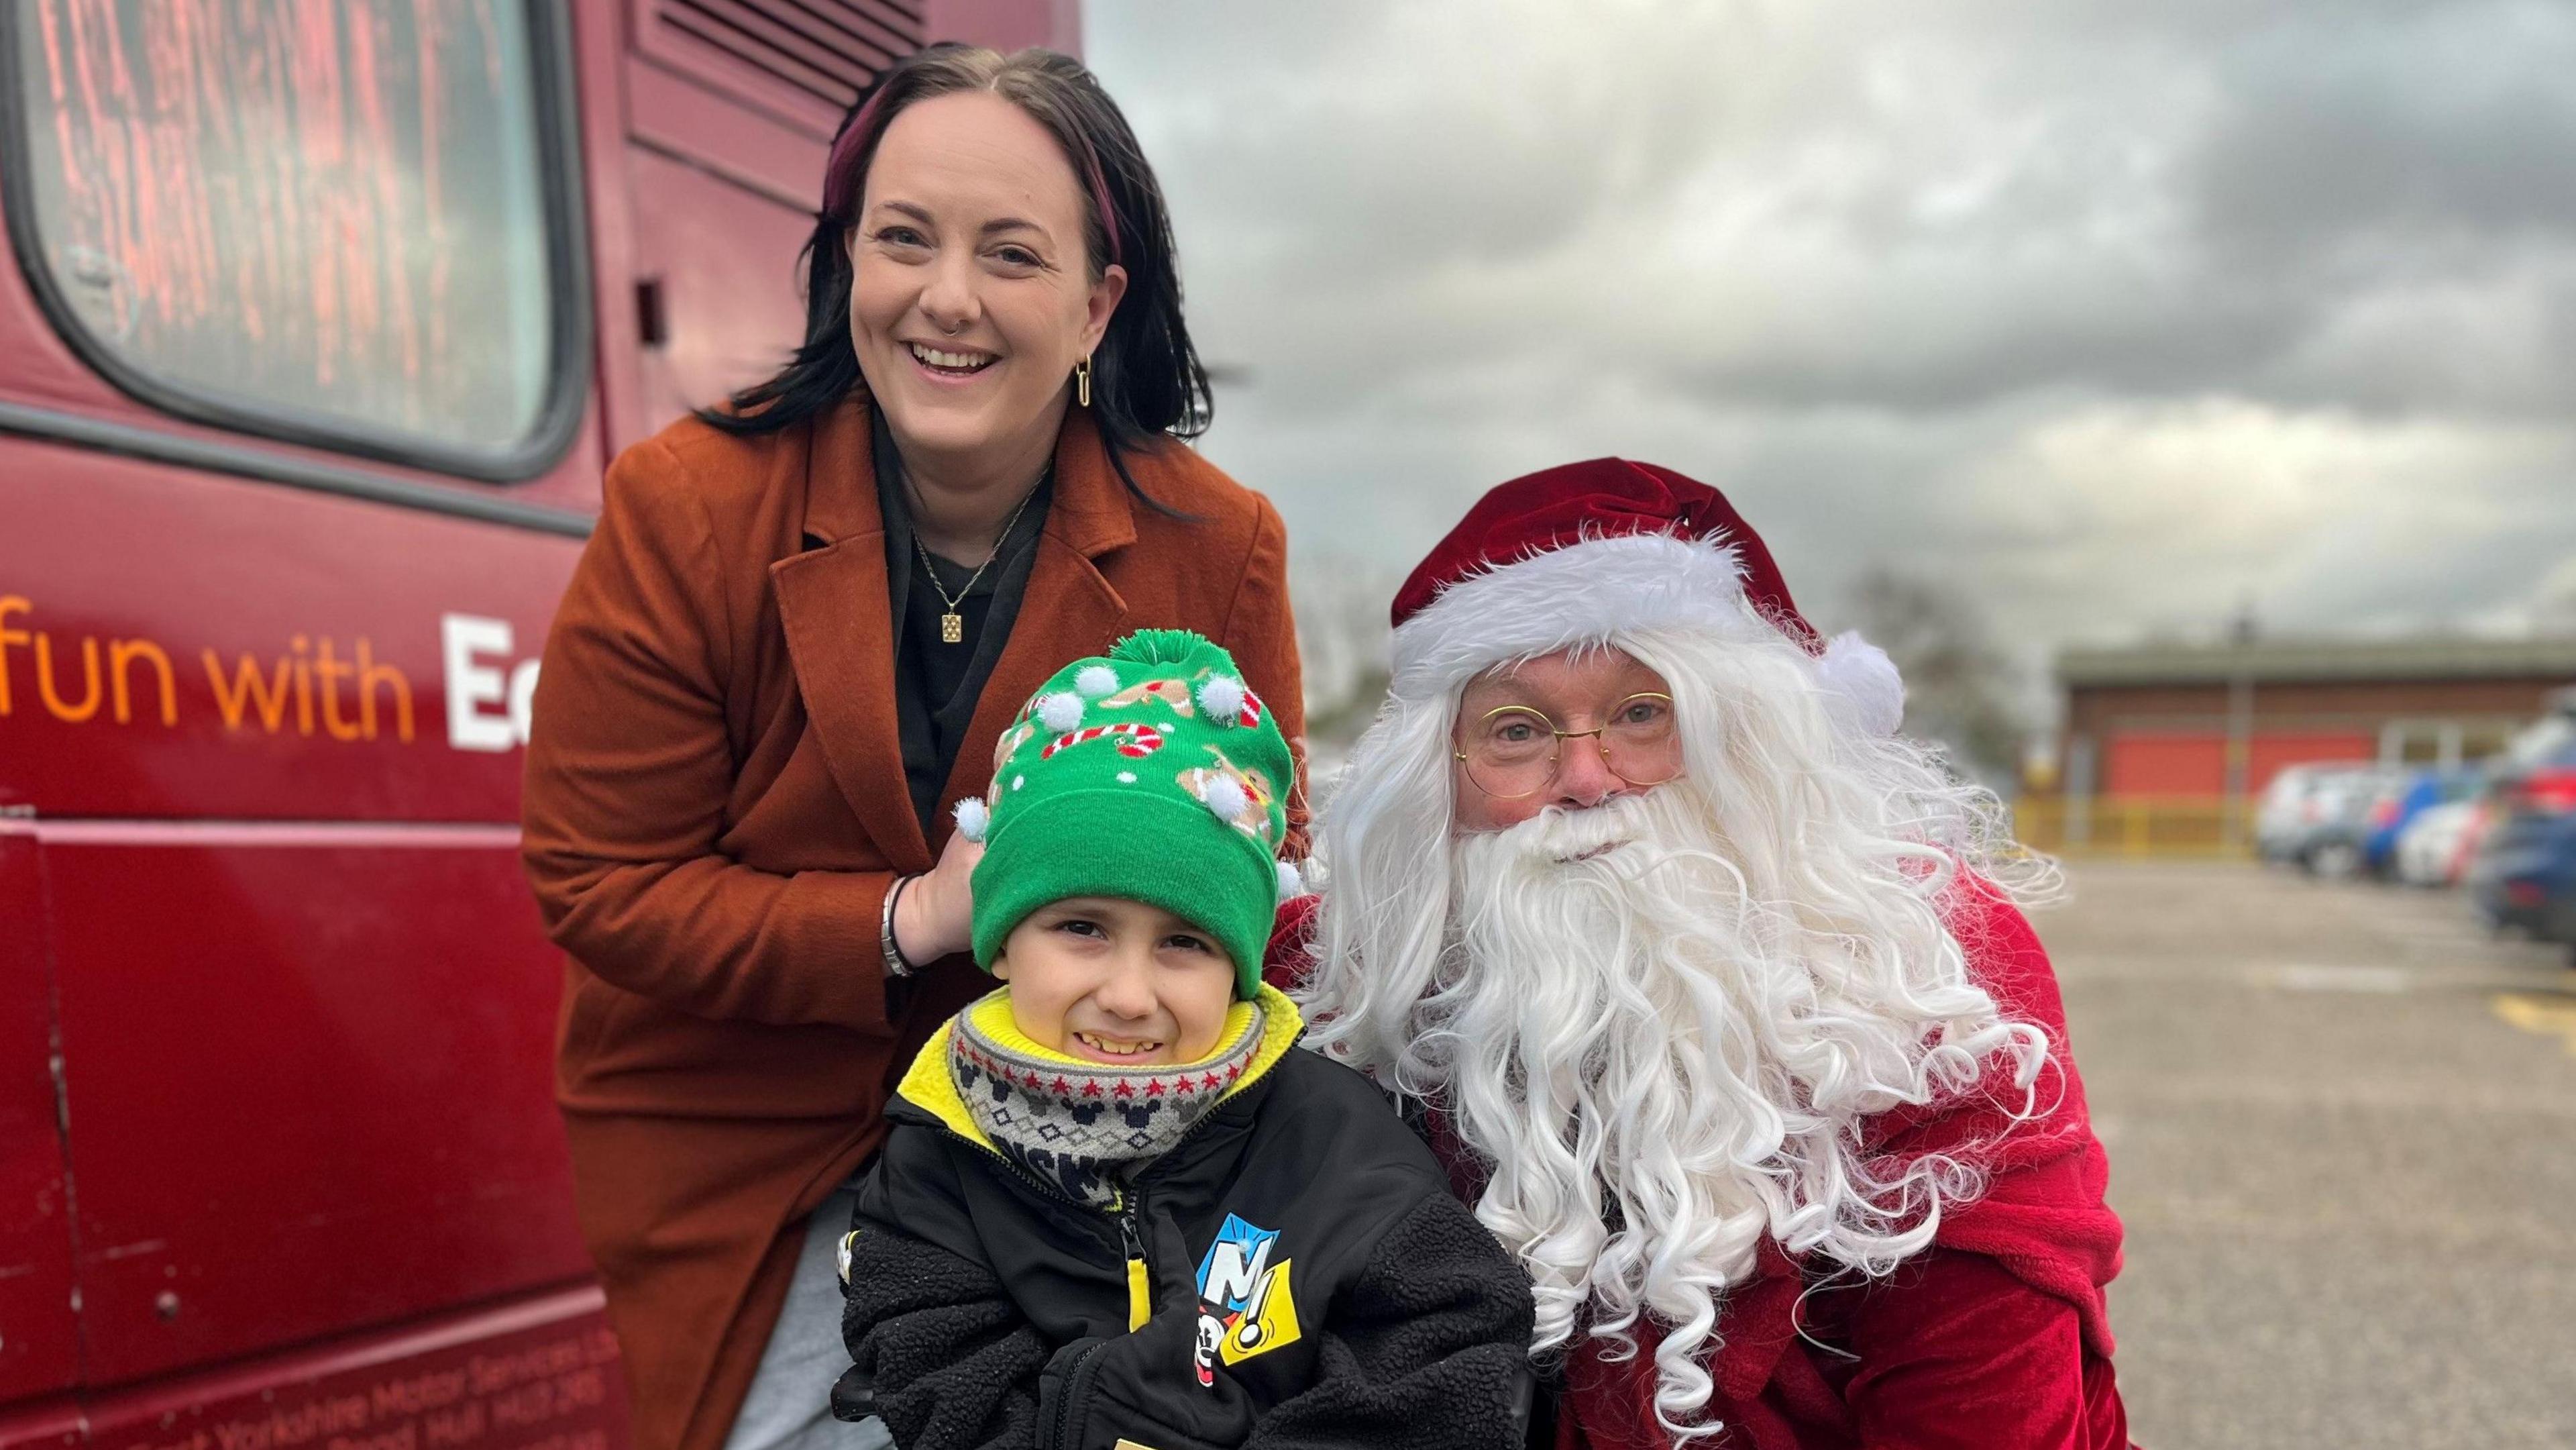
(829,50)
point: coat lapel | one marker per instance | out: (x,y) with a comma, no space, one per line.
(840,634)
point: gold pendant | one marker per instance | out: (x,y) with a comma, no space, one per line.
(952,629)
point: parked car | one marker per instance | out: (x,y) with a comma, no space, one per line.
(2280,818)
(2320,819)
(2525,876)
(2302,800)
(2400,800)
(2434,848)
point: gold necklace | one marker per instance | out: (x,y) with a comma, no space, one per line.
(952,625)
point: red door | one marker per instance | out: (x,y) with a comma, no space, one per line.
(39,1348)
(2165,765)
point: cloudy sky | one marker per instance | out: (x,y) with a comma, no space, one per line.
(2117,313)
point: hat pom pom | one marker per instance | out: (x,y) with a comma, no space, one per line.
(1093,681)
(1159,647)
(1221,699)
(1225,797)
(1292,882)
(1061,711)
(1871,693)
(974,818)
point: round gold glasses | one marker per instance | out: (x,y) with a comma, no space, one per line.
(1514,751)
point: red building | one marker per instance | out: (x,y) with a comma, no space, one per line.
(2218,721)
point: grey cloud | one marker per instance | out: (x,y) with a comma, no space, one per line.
(2336,144)
(2116,311)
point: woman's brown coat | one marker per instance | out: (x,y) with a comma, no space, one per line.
(716,807)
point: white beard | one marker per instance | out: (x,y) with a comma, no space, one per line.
(1663,1068)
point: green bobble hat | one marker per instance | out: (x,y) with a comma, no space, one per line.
(1151,774)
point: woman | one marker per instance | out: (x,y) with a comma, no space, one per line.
(789,650)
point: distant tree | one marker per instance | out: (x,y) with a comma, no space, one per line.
(1959,687)
(1342,646)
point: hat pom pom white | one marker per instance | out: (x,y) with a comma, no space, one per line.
(1224,797)
(974,818)
(1221,699)
(1872,694)
(1292,882)
(1093,681)
(1061,711)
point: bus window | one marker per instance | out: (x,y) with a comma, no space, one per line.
(325,222)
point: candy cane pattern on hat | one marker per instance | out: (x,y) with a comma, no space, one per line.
(1134,740)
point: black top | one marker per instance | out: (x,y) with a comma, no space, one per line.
(937,684)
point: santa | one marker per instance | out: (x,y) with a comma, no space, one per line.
(1714,993)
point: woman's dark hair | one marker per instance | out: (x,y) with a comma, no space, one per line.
(1146,380)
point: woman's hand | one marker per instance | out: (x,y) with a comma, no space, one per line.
(935,916)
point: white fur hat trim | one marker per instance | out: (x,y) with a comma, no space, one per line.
(1587,591)
(1578,594)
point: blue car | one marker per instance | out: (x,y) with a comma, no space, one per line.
(2400,802)
(2525,876)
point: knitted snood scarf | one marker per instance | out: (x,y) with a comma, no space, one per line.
(1083,1127)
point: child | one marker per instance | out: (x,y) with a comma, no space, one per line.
(1116,1207)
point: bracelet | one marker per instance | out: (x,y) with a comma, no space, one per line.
(895,963)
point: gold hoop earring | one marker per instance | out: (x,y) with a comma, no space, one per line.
(1082,382)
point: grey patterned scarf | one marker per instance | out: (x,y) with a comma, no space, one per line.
(1082,1126)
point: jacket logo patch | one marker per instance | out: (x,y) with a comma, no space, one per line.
(1246,1304)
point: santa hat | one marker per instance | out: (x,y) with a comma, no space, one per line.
(1577,554)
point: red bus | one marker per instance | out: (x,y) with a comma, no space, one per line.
(318,322)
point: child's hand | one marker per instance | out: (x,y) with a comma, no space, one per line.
(1143,1389)
(936,915)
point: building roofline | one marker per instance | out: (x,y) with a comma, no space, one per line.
(2321,661)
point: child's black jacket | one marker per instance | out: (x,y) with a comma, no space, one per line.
(1349,1299)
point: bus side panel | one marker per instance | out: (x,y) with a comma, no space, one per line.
(54,1424)
(723,259)
(1007,24)
(539,1374)
(179,644)
(38,1349)
(309,1081)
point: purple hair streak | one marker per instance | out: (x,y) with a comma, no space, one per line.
(841,171)
(1100,195)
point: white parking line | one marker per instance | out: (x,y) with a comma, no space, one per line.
(2303,977)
